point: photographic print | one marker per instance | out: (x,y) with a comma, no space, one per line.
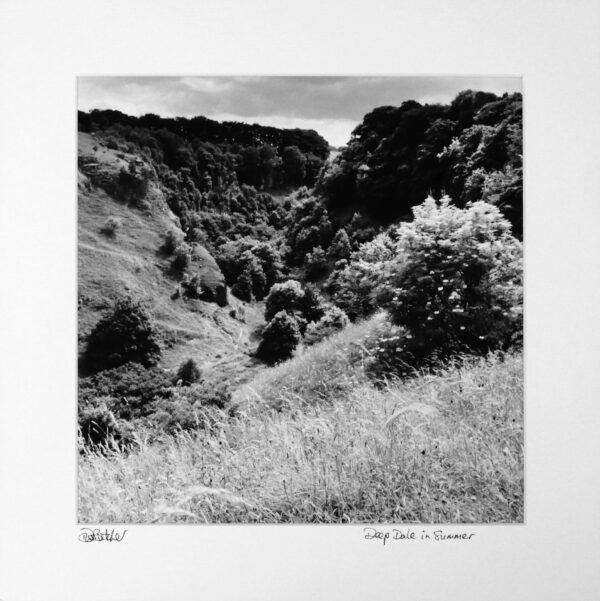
(300,300)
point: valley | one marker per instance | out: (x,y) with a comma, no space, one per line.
(274,330)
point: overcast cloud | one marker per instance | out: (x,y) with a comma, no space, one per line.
(333,106)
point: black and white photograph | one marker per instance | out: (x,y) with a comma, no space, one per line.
(300,300)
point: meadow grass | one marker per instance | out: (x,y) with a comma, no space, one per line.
(313,440)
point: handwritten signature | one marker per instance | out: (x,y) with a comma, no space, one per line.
(89,535)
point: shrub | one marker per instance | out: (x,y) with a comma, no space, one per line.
(259,281)
(210,393)
(285,296)
(129,390)
(98,425)
(270,261)
(303,305)
(261,261)
(179,414)
(340,246)
(455,283)
(312,305)
(132,185)
(190,408)
(124,335)
(173,240)
(201,285)
(192,286)
(332,321)
(315,264)
(253,273)
(110,226)
(113,402)
(219,293)
(188,372)
(352,283)
(182,258)
(228,257)
(243,287)
(280,338)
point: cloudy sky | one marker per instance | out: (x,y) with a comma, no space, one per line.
(333,106)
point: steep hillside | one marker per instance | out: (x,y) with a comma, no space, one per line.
(132,262)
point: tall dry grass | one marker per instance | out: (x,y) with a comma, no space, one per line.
(314,441)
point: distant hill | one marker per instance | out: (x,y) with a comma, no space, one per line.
(209,130)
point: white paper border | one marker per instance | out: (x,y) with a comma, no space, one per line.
(44,46)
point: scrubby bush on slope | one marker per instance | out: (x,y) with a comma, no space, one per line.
(113,400)
(332,321)
(127,334)
(182,258)
(190,408)
(132,184)
(280,338)
(286,296)
(116,402)
(188,372)
(303,304)
(110,226)
(98,425)
(173,240)
(243,286)
(132,388)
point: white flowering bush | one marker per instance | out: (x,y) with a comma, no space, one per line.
(455,282)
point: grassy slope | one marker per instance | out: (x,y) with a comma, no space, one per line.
(314,441)
(131,263)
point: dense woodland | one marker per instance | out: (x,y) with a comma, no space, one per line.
(220,178)
(415,225)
